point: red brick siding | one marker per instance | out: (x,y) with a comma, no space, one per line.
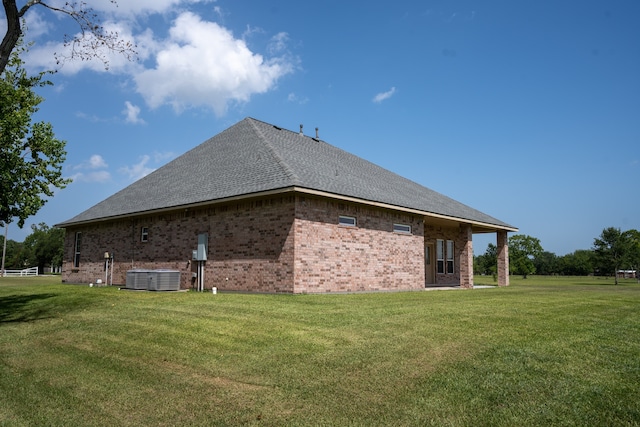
(459,237)
(368,257)
(503,258)
(249,243)
(251,247)
(466,256)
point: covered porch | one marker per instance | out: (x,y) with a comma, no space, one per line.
(449,251)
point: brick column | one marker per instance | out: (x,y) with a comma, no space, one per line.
(503,259)
(466,257)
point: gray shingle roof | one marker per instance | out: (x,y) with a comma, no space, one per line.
(254,156)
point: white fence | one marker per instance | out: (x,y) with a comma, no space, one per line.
(33,271)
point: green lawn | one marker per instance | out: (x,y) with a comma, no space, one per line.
(544,351)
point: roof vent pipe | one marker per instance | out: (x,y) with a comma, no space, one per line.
(317,137)
(301,132)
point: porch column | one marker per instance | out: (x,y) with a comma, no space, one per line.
(466,257)
(503,259)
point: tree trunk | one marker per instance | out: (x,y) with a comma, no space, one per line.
(14,31)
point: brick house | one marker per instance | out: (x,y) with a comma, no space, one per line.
(280,212)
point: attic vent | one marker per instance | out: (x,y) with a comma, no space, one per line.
(277,127)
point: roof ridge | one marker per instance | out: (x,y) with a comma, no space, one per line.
(285,167)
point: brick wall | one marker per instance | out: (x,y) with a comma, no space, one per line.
(251,247)
(466,256)
(367,257)
(461,243)
(503,258)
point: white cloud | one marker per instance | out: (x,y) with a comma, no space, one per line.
(292,97)
(163,157)
(37,25)
(384,95)
(96,161)
(90,117)
(97,176)
(199,63)
(251,31)
(203,64)
(138,170)
(132,114)
(278,43)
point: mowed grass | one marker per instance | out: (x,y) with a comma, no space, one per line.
(544,351)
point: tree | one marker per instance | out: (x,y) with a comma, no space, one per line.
(30,156)
(487,263)
(611,248)
(634,251)
(523,250)
(546,263)
(578,263)
(90,43)
(44,246)
(15,257)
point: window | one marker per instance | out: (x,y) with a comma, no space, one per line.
(442,266)
(144,234)
(402,228)
(440,256)
(76,250)
(450,256)
(348,221)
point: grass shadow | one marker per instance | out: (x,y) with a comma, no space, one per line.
(26,308)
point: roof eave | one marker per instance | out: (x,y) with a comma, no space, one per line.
(478,226)
(487,227)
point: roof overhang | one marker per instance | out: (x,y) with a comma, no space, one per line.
(478,227)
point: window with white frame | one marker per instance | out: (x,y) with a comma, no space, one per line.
(450,256)
(348,221)
(144,234)
(76,250)
(440,256)
(402,228)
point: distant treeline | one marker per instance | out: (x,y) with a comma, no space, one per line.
(614,250)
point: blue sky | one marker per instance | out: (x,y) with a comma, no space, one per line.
(527,111)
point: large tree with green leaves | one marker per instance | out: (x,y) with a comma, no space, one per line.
(31,157)
(15,255)
(612,249)
(578,263)
(633,255)
(523,250)
(487,263)
(546,263)
(44,246)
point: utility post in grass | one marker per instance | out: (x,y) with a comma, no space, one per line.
(4,248)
